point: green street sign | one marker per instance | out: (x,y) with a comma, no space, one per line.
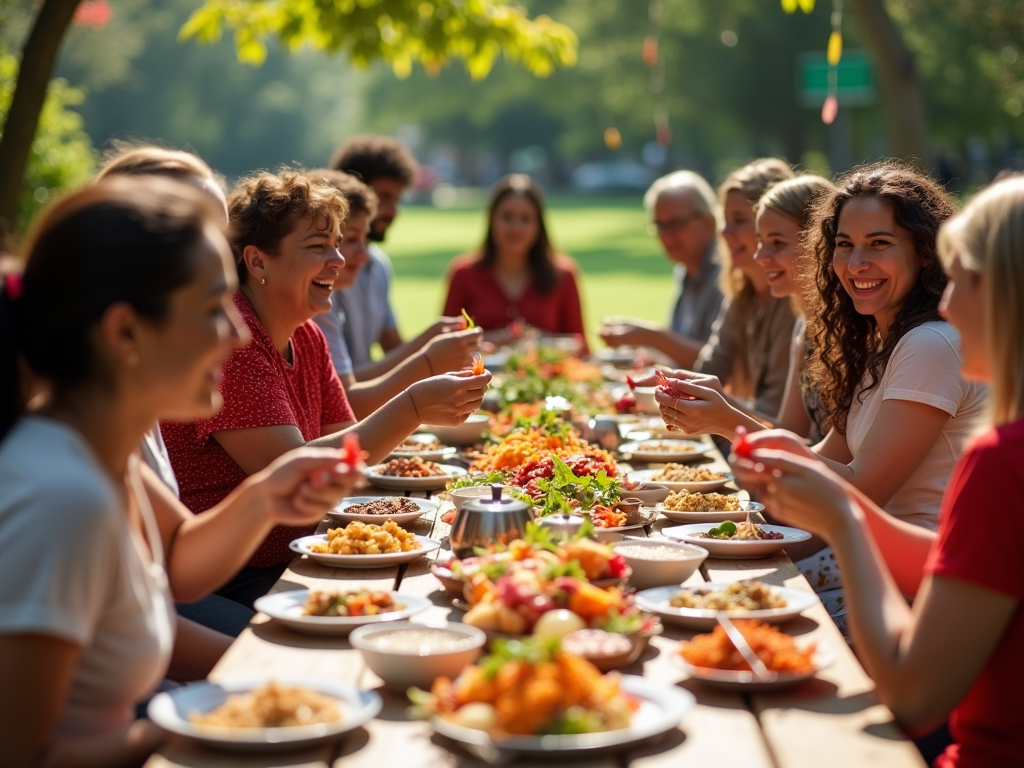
(856,79)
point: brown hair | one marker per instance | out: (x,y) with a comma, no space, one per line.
(795,197)
(83,255)
(751,181)
(541,256)
(846,345)
(360,197)
(266,207)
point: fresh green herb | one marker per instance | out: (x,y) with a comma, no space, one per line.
(539,537)
(588,491)
(572,569)
(575,720)
(478,478)
(623,625)
(530,651)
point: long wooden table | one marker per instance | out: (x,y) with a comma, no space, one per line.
(832,720)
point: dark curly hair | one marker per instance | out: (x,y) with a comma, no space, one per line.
(371,157)
(359,196)
(847,346)
(263,209)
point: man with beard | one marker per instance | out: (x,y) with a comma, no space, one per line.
(388,168)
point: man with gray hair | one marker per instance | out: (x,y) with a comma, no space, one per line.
(683,212)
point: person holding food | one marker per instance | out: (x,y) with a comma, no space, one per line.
(387,167)
(92,544)
(749,345)
(449,351)
(968,617)
(684,214)
(782,217)
(516,277)
(281,391)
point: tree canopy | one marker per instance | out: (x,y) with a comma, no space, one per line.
(399,32)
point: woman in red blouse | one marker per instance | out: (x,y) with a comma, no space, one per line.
(516,275)
(281,391)
(958,651)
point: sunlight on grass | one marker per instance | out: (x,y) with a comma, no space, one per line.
(624,271)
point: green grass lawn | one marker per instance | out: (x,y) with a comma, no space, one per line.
(624,270)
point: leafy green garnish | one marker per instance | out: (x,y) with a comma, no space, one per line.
(531,650)
(572,569)
(575,720)
(539,537)
(470,323)
(623,625)
(478,478)
(564,487)
(724,531)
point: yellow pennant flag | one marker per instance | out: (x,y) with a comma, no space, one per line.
(835,47)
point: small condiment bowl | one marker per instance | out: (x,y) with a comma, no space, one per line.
(654,571)
(645,400)
(468,432)
(402,665)
(649,493)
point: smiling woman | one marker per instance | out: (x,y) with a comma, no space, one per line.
(281,391)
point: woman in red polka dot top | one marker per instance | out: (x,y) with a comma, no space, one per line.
(281,391)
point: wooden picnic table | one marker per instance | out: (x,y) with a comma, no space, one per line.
(833,719)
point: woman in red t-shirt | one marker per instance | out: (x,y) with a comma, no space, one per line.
(281,391)
(958,652)
(516,275)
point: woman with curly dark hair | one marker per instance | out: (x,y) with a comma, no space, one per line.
(886,364)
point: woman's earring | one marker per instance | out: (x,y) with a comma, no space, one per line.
(263,281)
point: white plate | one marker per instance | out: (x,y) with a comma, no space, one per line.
(737,550)
(393,483)
(647,476)
(734,680)
(340,514)
(171,711)
(719,516)
(286,607)
(427,454)
(670,450)
(646,519)
(661,709)
(656,601)
(362,561)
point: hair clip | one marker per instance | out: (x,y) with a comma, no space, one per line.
(13,285)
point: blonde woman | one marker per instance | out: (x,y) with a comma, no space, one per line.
(967,621)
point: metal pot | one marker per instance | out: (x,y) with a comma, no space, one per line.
(483,522)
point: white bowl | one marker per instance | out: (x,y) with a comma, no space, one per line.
(403,668)
(467,433)
(645,400)
(657,572)
(460,496)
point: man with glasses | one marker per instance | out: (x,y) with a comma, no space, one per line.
(682,208)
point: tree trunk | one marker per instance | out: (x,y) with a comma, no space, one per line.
(37,61)
(902,95)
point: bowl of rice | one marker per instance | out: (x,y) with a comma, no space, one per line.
(659,562)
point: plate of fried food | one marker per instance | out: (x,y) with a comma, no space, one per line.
(714,660)
(424,445)
(261,714)
(665,450)
(679,477)
(711,507)
(412,474)
(698,607)
(738,541)
(584,710)
(375,509)
(338,612)
(364,545)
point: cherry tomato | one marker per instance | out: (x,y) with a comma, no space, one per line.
(742,446)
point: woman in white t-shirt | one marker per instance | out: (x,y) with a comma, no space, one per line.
(887,367)
(124,310)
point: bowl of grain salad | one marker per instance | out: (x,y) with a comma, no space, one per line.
(657,562)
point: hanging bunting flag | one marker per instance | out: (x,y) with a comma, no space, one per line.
(612,138)
(835,47)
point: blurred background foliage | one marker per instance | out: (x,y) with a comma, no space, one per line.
(729,93)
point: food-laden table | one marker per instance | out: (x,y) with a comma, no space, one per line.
(832,720)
